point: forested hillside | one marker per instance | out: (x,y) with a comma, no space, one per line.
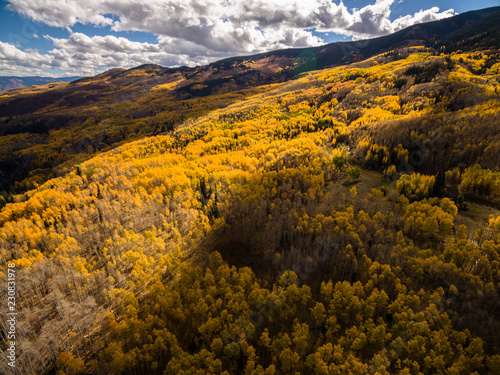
(345,222)
(44,130)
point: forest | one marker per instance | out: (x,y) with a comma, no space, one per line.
(346,221)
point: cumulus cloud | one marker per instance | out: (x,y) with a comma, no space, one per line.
(14,61)
(61,13)
(207,22)
(373,20)
(422,16)
(79,42)
(198,31)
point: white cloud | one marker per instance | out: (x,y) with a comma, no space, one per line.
(14,61)
(9,52)
(61,13)
(199,31)
(422,16)
(373,20)
(82,43)
(234,25)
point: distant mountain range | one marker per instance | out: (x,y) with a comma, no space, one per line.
(11,82)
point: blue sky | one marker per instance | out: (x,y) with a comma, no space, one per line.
(55,38)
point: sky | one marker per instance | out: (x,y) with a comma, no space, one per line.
(86,37)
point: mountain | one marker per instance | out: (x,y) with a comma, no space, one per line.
(430,33)
(485,33)
(279,65)
(10,82)
(239,72)
(120,104)
(255,216)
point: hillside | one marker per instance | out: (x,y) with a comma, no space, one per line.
(112,257)
(43,130)
(345,221)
